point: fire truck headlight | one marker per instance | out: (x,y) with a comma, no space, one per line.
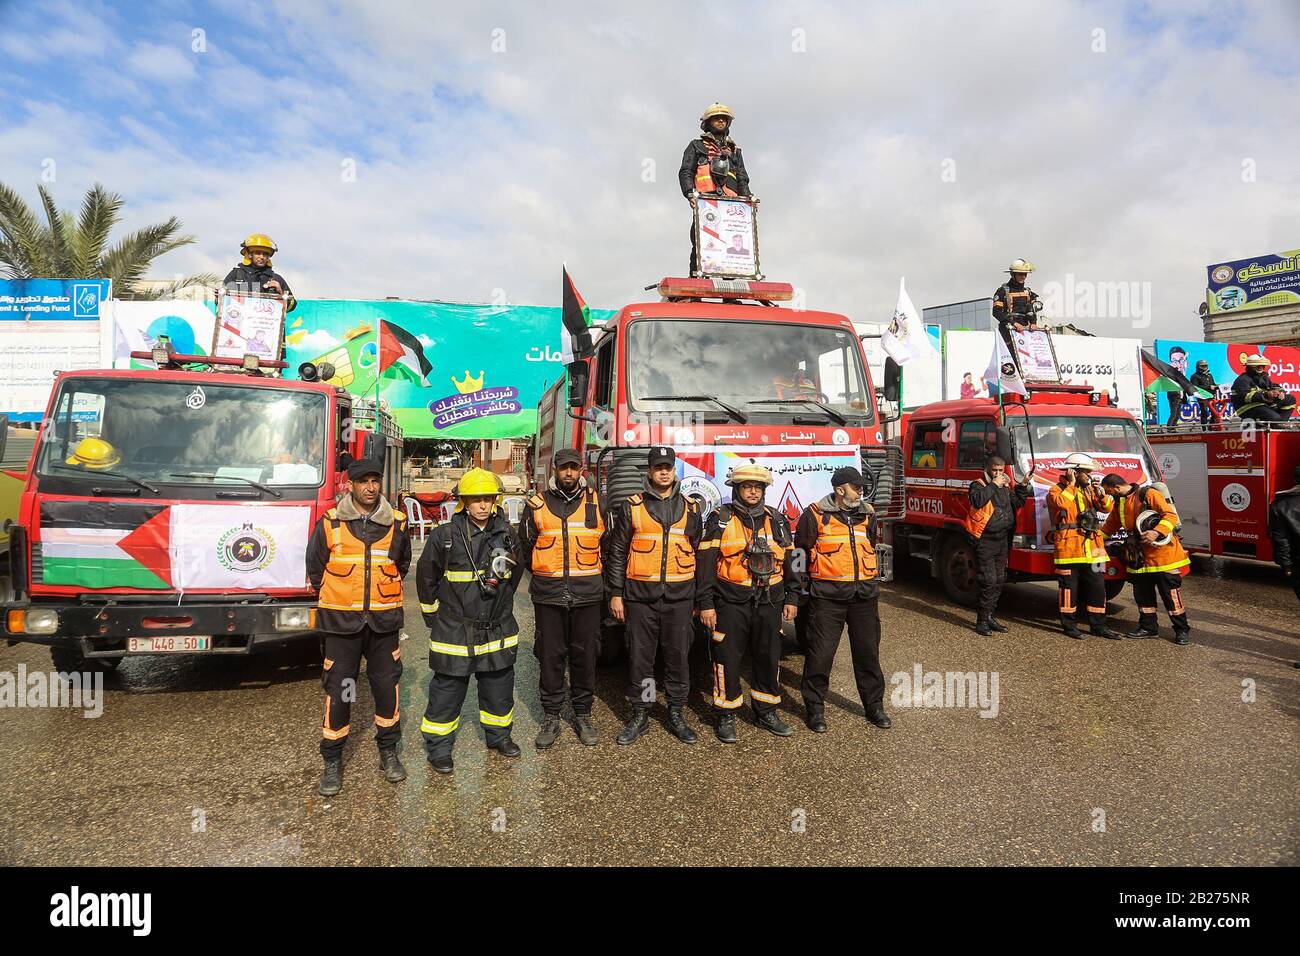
(38,620)
(294,618)
(160,356)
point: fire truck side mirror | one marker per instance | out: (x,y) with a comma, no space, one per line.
(577,384)
(4,434)
(893,380)
(1005,450)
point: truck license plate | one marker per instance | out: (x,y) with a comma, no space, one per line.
(171,644)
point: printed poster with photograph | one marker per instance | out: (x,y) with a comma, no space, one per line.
(248,323)
(1034,351)
(727,237)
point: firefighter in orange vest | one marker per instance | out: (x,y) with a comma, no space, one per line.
(712,165)
(467,578)
(1079,547)
(561,534)
(991,521)
(1153,555)
(837,534)
(650,573)
(356,559)
(745,558)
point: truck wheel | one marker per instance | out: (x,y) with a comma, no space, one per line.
(68,658)
(1114,589)
(957,570)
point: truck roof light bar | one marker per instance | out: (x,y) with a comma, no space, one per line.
(713,288)
(165,358)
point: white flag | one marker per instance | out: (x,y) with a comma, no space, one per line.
(239,547)
(906,338)
(1002,371)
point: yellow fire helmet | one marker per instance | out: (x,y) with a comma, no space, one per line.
(1021,265)
(717,109)
(743,473)
(94,454)
(258,240)
(478,481)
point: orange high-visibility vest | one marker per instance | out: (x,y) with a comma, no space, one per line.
(977,519)
(1155,557)
(842,552)
(1071,545)
(659,554)
(352,563)
(735,540)
(704,181)
(566,543)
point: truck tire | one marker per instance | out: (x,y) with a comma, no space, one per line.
(1114,589)
(68,658)
(956,570)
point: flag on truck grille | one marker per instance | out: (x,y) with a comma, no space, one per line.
(402,352)
(575,319)
(103,544)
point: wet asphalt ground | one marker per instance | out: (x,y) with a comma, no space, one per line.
(1101,752)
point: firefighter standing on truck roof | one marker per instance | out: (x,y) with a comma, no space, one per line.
(838,536)
(1254,395)
(712,165)
(745,564)
(254,273)
(467,580)
(356,559)
(1015,305)
(1153,555)
(561,533)
(1079,546)
(991,521)
(650,573)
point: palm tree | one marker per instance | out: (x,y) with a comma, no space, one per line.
(65,246)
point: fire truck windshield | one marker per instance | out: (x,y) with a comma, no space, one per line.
(1055,435)
(740,362)
(184,432)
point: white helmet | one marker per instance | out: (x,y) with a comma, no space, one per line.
(1020,265)
(1080,460)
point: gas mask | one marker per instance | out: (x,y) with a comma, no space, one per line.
(760,559)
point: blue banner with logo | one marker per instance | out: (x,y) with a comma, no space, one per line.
(1255,283)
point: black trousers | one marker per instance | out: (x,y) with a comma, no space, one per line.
(1081,582)
(1266,414)
(827,626)
(1175,400)
(1170,587)
(990,570)
(342,670)
(741,627)
(572,632)
(650,627)
(496,708)
(1203,409)
(695,253)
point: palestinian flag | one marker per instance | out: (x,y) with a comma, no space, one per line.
(576,320)
(402,352)
(1158,376)
(103,544)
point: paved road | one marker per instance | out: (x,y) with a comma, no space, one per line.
(1100,753)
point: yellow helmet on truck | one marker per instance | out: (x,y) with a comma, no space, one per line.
(94,454)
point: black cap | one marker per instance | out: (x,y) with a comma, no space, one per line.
(662,455)
(366,466)
(847,476)
(567,456)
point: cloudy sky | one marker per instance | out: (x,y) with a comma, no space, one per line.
(463,151)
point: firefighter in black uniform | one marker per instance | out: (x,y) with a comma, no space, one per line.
(1255,396)
(994,503)
(838,536)
(561,533)
(1202,378)
(467,579)
(356,559)
(1015,305)
(746,558)
(712,165)
(650,573)
(254,273)
(1284,529)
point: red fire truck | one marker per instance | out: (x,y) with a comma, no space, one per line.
(944,447)
(167,510)
(1224,477)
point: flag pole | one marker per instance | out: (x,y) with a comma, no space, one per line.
(378,372)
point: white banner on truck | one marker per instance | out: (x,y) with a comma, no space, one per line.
(139,326)
(243,547)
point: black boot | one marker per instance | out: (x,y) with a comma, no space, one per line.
(982,627)
(1072,630)
(549,733)
(678,725)
(586,730)
(772,723)
(727,728)
(1101,630)
(878,717)
(997,625)
(636,725)
(816,719)
(506,747)
(331,781)
(1182,638)
(442,764)
(391,765)
(1142,633)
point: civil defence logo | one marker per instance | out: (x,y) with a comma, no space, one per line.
(245,548)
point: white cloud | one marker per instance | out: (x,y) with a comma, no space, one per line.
(162,64)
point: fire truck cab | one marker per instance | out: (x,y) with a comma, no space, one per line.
(168,510)
(945,445)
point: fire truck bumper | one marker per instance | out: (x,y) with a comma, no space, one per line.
(111,630)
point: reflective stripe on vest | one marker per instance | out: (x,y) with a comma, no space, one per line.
(735,540)
(1072,546)
(1157,557)
(343,585)
(566,546)
(977,519)
(840,554)
(659,554)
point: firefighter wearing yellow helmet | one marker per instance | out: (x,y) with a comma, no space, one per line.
(254,272)
(744,560)
(1076,508)
(466,578)
(1015,305)
(94,454)
(712,165)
